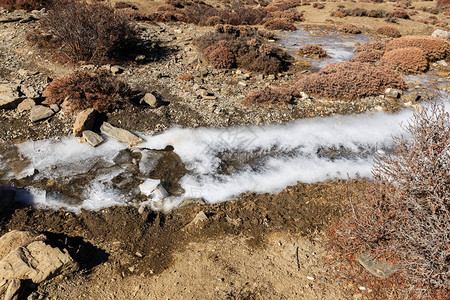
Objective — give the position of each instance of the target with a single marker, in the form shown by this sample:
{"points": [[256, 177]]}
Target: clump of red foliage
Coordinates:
{"points": [[409, 60], [368, 56], [349, 29], [350, 81], [435, 48], [389, 31], [222, 58], [23, 4], [87, 89], [248, 47], [312, 51], [269, 96], [279, 24], [403, 217], [378, 45], [87, 32], [401, 14]]}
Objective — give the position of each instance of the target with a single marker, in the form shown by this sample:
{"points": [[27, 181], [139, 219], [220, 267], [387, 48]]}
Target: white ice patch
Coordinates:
{"points": [[224, 162]]}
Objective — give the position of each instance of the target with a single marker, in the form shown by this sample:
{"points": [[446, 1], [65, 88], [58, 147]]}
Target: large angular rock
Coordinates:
{"points": [[441, 33], [10, 96], [14, 239], [393, 93], [150, 100], [40, 112], [119, 134], [84, 121], [37, 261], [26, 104]]}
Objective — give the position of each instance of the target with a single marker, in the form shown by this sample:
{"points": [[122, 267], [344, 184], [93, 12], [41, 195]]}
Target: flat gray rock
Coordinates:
{"points": [[119, 134], [381, 269], [92, 138], [40, 112], [9, 96]]}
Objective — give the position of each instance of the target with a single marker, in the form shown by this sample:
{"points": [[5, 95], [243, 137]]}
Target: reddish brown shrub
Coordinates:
{"points": [[122, 5], [166, 7], [313, 51], [291, 14], [369, 56], [279, 24], [389, 31], [379, 45], [214, 20], [349, 29], [338, 14], [435, 48], [443, 3], [186, 77], [89, 32], [85, 89], [401, 14], [406, 60], [269, 96], [319, 5], [280, 5], [406, 215], [222, 58], [350, 81], [23, 4], [248, 47]]}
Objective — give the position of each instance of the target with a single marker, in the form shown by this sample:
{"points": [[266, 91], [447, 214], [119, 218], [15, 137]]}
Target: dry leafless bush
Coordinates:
{"points": [[361, 12], [23, 4], [269, 96], [435, 48], [409, 60], [312, 51], [89, 32], [349, 29], [87, 89], [389, 31], [279, 24], [291, 14], [405, 216], [369, 56], [350, 81], [248, 48]]}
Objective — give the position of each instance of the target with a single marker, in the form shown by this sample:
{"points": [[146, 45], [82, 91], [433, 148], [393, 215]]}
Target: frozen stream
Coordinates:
{"points": [[205, 163]]}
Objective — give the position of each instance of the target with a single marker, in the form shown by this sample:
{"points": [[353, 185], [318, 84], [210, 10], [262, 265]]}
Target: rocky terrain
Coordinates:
{"points": [[257, 246]]}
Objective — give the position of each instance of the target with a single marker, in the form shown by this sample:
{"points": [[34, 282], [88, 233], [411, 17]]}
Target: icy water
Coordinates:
{"points": [[207, 163], [338, 46]]}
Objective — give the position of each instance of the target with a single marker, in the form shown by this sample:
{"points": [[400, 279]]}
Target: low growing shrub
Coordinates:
{"points": [[435, 48], [269, 96], [350, 81], [349, 29], [221, 58], [89, 32], [312, 51], [389, 31], [369, 56], [27, 5], [87, 89], [378, 45], [401, 14], [409, 60], [279, 24]]}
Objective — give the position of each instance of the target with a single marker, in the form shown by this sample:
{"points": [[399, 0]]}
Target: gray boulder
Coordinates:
{"points": [[40, 112], [119, 134]]}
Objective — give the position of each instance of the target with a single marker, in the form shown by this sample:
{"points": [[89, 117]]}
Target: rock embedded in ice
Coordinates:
{"points": [[92, 138], [119, 134]]}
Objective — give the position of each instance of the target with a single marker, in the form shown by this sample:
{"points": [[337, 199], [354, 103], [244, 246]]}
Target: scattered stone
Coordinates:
{"points": [[141, 209], [412, 97], [55, 108], [198, 220], [119, 134], [271, 77], [6, 198], [40, 112], [310, 278], [10, 96], [150, 100], [30, 92], [84, 121], [160, 192], [381, 269], [442, 63], [26, 104], [209, 97], [393, 93], [92, 138], [441, 33], [12, 293], [116, 70]]}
